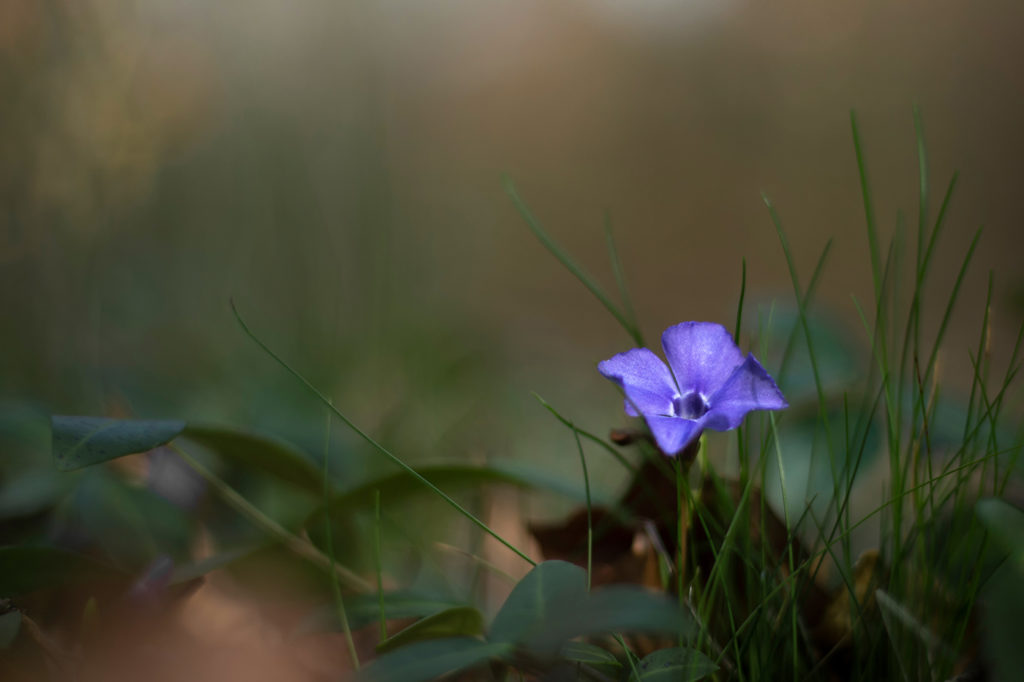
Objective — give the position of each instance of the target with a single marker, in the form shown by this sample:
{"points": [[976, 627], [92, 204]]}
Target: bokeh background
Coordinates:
{"points": [[335, 168]]}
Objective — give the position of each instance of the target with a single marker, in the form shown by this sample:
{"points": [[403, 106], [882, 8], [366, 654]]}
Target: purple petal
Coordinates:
{"points": [[702, 355], [645, 379], [749, 388], [672, 434]]}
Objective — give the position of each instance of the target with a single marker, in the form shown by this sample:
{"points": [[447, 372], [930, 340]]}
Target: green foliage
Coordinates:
{"points": [[673, 665], [26, 569], [132, 525], [10, 625], [84, 441], [536, 626], [754, 600], [548, 590], [267, 454], [423, 661], [459, 621]]}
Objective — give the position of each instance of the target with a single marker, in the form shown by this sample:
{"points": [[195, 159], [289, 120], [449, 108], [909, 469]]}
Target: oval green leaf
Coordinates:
{"points": [[268, 454], [10, 624], [1006, 525], [461, 621], [674, 665], [424, 661], [549, 591], [83, 441], [619, 608], [588, 654]]}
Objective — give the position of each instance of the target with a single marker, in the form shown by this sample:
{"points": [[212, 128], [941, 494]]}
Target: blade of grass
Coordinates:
{"points": [[339, 601], [586, 434], [590, 514], [954, 295], [296, 544], [739, 306], [620, 280], [869, 211], [566, 260], [378, 566], [801, 303], [377, 446]]}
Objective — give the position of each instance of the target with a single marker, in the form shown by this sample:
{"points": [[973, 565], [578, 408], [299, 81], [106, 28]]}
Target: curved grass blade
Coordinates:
{"points": [[566, 260], [377, 446]]}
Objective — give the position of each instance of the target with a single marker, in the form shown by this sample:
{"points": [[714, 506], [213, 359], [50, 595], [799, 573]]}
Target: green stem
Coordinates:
{"points": [[380, 448], [590, 518], [379, 565], [339, 601], [299, 546]]}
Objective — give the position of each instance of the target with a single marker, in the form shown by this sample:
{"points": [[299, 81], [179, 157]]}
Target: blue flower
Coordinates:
{"points": [[710, 384]]}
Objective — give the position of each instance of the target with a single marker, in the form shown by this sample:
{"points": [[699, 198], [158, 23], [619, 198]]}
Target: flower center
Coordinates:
{"points": [[690, 406]]}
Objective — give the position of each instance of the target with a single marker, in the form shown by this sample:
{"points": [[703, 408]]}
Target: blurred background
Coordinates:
{"points": [[335, 168]]}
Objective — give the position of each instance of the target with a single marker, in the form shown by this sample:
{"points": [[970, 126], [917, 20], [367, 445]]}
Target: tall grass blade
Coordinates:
{"points": [[377, 446], [620, 280], [566, 260]]}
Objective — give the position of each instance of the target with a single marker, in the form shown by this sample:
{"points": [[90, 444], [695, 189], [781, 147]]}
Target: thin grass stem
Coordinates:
{"points": [[380, 448]]}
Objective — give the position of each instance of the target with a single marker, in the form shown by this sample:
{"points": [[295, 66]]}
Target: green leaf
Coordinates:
{"points": [[364, 609], [83, 441], [452, 474], [588, 654], [550, 589], [133, 525], [26, 569], [1003, 600], [550, 606], [674, 665], [619, 608], [1006, 524], [424, 661], [448, 476], [270, 455], [10, 624], [32, 492], [460, 621]]}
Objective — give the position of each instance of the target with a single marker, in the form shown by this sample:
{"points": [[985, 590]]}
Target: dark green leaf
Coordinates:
{"points": [[132, 525], [32, 492], [364, 609], [400, 485], [83, 441], [674, 665], [619, 608], [424, 661], [264, 453], [27, 569], [10, 624], [589, 654], [460, 621], [1003, 601], [1006, 524], [550, 590]]}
